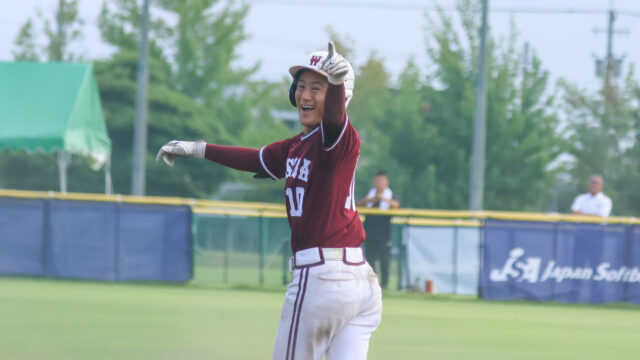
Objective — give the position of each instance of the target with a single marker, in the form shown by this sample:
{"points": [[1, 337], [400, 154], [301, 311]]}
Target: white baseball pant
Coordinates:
{"points": [[331, 307]]}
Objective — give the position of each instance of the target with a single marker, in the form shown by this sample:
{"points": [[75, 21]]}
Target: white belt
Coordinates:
{"points": [[317, 256]]}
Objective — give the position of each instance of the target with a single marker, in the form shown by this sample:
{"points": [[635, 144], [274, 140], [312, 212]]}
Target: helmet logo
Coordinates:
{"points": [[315, 59]]}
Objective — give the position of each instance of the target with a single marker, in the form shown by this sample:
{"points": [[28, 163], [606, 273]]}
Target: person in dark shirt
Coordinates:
{"points": [[378, 227]]}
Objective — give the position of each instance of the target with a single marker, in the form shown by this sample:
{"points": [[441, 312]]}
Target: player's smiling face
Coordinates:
{"points": [[310, 93]]}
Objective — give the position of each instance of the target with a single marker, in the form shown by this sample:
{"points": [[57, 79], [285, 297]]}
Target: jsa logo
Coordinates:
{"points": [[529, 269]]}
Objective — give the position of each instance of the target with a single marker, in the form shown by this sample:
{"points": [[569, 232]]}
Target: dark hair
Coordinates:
{"points": [[381, 173], [294, 85]]}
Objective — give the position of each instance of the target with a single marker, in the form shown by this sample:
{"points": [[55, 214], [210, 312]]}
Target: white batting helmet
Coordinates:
{"points": [[312, 62]]}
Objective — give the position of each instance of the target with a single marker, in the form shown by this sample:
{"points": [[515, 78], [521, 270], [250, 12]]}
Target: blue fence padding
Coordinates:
{"points": [[95, 240], [565, 262], [155, 243], [22, 229], [82, 240]]}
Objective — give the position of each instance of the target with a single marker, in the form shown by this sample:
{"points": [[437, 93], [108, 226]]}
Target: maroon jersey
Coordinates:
{"points": [[319, 187]]}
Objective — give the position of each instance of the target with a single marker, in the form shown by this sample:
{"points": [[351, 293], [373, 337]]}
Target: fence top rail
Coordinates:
{"points": [[201, 206], [161, 200], [435, 222]]}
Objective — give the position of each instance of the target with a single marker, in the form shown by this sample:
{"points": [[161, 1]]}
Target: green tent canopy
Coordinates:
{"points": [[53, 107]]}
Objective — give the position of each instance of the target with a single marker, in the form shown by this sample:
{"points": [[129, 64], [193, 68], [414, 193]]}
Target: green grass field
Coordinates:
{"points": [[54, 319]]}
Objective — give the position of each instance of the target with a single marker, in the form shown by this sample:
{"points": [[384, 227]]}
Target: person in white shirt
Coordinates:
{"points": [[378, 227], [594, 202]]}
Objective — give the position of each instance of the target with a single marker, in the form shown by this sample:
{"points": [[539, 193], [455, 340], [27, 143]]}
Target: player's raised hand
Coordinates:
{"points": [[335, 66], [177, 148]]}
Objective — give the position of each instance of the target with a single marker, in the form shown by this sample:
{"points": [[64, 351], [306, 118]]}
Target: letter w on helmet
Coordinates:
{"points": [[313, 60]]}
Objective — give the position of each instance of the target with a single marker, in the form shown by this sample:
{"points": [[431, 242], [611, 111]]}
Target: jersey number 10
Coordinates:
{"points": [[295, 205]]}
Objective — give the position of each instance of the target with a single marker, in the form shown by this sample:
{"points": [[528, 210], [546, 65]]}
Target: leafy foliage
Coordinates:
{"points": [[604, 140], [417, 127], [195, 92], [422, 129], [27, 49], [62, 32]]}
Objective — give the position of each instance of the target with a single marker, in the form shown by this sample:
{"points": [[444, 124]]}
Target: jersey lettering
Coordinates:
{"points": [[304, 170], [293, 165], [295, 206]]}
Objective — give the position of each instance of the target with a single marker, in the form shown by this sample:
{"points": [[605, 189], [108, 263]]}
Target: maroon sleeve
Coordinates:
{"points": [[334, 114], [235, 157], [273, 157]]}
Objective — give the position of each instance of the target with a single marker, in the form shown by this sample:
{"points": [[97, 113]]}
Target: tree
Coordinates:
{"points": [[428, 123], [367, 111], [26, 47], [171, 115], [603, 130], [68, 28], [60, 34], [195, 91]]}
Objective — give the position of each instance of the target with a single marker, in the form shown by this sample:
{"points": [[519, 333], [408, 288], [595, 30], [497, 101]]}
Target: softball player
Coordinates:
{"points": [[333, 304]]}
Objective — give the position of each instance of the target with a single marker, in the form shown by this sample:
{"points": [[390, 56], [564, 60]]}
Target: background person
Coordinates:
{"points": [[595, 202], [334, 302], [378, 227]]}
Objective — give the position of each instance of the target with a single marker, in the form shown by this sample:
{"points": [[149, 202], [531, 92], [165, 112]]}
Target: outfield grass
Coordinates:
{"points": [[53, 319]]}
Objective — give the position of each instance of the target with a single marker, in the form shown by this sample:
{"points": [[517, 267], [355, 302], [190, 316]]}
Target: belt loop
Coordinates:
{"points": [[308, 264], [360, 255]]}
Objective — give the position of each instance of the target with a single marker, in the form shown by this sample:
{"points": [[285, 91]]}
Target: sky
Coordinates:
{"points": [[282, 31]]}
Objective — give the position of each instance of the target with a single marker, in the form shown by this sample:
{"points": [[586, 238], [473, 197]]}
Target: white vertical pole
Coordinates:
{"points": [[63, 162], [479, 126], [108, 185], [140, 129]]}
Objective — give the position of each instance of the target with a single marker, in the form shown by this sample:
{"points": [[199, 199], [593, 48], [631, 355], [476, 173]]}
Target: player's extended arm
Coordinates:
{"points": [[235, 157], [393, 203], [337, 69], [364, 201]]}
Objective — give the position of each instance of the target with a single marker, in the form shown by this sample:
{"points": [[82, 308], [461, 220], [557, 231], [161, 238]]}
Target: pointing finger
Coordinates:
{"points": [[161, 153], [168, 159]]}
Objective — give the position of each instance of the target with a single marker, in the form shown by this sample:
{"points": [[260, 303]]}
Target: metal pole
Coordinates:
{"points": [[227, 251], [479, 125], [108, 183], [140, 129], [264, 233], [454, 264], [63, 162], [285, 264], [609, 68]]}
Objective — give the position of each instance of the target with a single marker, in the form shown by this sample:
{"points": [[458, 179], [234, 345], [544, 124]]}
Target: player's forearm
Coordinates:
{"points": [[235, 157], [394, 204], [334, 112], [364, 201]]}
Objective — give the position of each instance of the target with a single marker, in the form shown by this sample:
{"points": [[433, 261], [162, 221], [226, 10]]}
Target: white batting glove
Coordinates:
{"points": [[177, 148], [335, 66]]}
